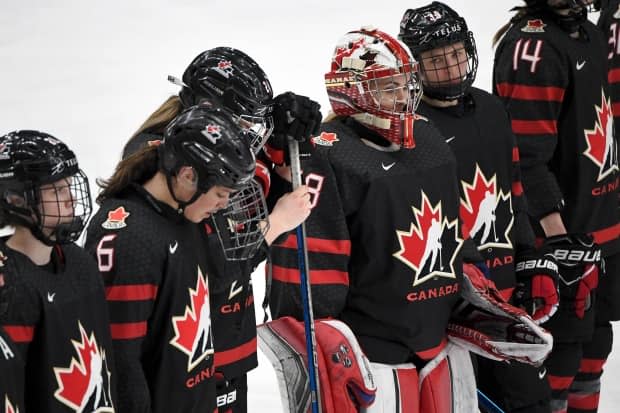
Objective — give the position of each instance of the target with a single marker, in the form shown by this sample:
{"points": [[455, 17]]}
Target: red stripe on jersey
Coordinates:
{"points": [[126, 331], [613, 76], [408, 380], [20, 334], [330, 246], [534, 127], [559, 382], [515, 154], [292, 276], [517, 188], [431, 353], [607, 234], [615, 108], [523, 92], [133, 292], [585, 402], [233, 355], [591, 365]]}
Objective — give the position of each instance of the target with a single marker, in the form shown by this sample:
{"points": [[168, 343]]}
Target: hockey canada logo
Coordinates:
{"points": [[534, 26], [325, 139], [225, 68], [84, 386], [212, 133], [116, 219], [193, 334], [431, 244], [486, 212], [602, 149], [8, 406]]}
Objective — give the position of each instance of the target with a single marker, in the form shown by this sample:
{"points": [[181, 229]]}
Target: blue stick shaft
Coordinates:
{"points": [[487, 404]]}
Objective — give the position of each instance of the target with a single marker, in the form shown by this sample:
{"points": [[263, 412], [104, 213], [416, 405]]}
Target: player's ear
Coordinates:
{"points": [[187, 177]]}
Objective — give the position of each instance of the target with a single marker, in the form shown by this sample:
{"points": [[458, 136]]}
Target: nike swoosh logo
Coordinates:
{"points": [[387, 167], [541, 374], [50, 297], [173, 248], [450, 139], [233, 291], [580, 65]]}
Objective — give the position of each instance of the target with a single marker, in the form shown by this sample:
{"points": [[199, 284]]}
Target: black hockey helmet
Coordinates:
{"points": [[435, 26], [208, 139], [32, 162], [232, 79]]}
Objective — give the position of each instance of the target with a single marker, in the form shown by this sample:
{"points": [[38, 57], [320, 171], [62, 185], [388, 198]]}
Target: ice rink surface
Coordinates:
{"points": [[91, 72]]}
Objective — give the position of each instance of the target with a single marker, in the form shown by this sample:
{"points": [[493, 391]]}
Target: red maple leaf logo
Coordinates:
{"points": [[193, 329], [601, 143], [325, 139], [213, 128], [420, 247], [224, 64], [83, 379], [116, 218], [478, 212]]}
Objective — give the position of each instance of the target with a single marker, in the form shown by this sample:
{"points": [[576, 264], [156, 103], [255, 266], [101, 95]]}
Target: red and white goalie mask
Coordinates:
{"points": [[374, 79]]}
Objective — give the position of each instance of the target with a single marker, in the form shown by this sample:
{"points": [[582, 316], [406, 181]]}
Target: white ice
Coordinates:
{"points": [[90, 72]]}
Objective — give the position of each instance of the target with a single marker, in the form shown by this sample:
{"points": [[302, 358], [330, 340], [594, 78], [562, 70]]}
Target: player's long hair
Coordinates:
{"points": [[158, 120], [135, 169], [521, 11]]}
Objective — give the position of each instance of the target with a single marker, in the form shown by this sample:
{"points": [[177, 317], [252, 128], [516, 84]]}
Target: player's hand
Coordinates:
{"points": [[537, 284]]}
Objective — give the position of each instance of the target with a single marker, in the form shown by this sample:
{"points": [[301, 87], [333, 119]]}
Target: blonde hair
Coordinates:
{"points": [[163, 115], [520, 13]]}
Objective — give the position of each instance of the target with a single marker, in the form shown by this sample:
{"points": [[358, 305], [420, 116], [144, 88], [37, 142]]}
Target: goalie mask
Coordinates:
{"points": [[445, 48], [230, 78], [374, 80], [42, 187]]}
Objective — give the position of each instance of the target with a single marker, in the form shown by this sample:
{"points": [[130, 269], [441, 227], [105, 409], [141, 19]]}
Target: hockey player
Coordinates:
{"points": [[244, 89], [548, 71], [56, 313], [385, 184], [492, 207]]}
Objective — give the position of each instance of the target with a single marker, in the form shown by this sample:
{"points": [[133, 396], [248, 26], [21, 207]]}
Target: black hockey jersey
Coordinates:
{"points": [[384, 240], [492, 210], [58, 320], [11, 376], [154, 266], [609, 23], [555, 89]]}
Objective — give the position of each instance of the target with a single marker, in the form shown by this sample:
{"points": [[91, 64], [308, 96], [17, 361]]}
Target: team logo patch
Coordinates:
{"points": [[192, 330], [116, 219], [486, 212], [8, 406], [212, 132], [602, 148], [325, 139], [431, 244], [84, 386], [534, 26], [225, 68]]}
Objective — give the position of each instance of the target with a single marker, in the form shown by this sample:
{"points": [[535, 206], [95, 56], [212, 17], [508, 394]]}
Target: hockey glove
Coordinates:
{"points": [[579, 260], [298, 117], [537, 284]]}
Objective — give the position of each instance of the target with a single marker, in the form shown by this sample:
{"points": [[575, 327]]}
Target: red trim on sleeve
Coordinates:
{"points": [[591, 365], [523, 92], [133, 292], [515, 154], [245, 350], [20, 334], [330, 246], [292, 276], [517, 188], [559, 382], [606, 234], [126, 331], [535, 127], [613, 76]]}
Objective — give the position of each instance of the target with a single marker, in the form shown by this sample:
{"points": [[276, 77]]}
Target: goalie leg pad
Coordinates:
{"points": [[345, 378], [397, 389]]}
